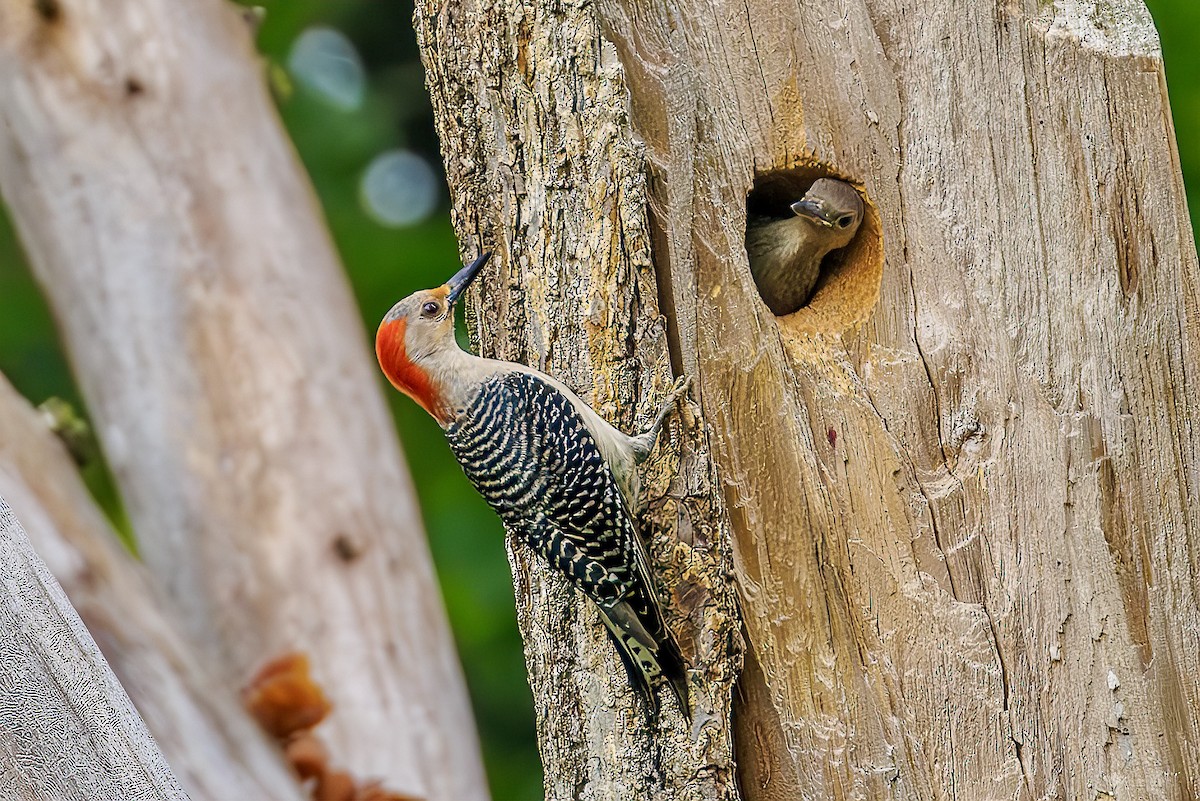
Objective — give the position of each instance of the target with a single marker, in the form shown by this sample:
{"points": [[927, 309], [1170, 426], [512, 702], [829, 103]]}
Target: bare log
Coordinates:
{"points": [[221, 355], [67, 729], [212, 745], [958, 480]]}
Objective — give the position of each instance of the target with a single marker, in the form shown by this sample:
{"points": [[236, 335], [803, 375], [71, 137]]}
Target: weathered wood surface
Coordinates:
{"points": [[959, 480], [67, 729], [217, 752], [214, 336]]}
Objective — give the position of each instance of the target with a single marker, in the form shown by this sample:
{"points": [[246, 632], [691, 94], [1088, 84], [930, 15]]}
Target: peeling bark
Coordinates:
{"points": [[956, 482], [544, 169]]}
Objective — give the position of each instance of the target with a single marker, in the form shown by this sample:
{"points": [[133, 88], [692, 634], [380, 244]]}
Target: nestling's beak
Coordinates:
{"points": [[813, 210], [463, 278]]}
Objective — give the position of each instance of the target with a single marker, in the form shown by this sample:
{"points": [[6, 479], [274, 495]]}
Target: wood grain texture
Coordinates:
{"points": [[960, 577], [959, 480], [67, 728], [215, 749], [531, 108], [214, 336]]}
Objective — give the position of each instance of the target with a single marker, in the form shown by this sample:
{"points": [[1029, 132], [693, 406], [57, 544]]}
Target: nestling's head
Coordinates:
{"points": [[417, 329], [832, 205]]}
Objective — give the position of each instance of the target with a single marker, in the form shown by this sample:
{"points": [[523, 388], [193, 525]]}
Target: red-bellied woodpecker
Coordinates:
{"points": [[561, 478], [785, 254]]}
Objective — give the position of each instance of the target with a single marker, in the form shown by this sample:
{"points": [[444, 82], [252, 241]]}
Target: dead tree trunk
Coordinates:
{"points": [[67, 729], [214, 748], [213, 334], [958, 480]]}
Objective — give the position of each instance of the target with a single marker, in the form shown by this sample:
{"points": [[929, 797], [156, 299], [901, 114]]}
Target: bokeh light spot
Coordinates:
{"points": [[325, 61], [399, 189]]}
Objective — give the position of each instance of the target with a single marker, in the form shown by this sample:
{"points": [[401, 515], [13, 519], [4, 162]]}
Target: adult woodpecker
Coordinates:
{"points": [[785, 254], [561, 478]]}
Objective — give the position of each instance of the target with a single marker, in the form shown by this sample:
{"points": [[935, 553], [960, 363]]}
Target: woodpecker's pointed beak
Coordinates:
{"points": [[463, 278], [814, 210]]}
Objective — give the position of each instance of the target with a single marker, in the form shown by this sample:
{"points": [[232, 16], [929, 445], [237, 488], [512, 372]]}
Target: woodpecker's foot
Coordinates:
{"points": [[644, 443], [678, 390]]}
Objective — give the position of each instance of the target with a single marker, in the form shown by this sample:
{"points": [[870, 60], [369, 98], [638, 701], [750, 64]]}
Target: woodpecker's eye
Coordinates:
{"points": [[845, 220], [429, 309]]}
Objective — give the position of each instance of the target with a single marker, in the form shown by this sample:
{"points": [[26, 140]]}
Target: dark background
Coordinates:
{"points": [[337, 143]]}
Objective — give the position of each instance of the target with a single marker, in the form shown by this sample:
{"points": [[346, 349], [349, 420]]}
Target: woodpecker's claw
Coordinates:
{"points": [[644, 443], [680, 388]]}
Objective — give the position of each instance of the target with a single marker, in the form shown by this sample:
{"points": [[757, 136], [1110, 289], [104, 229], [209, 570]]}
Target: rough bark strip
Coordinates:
{"points": [[531, 107], [67, 728], [216, 341], [213, 747], [967, 558]]}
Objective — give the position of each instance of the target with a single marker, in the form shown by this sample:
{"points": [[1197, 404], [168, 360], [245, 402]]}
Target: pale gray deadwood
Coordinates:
{"points": [[959, 480], [208, 320], [67, 729], [214, 748]]}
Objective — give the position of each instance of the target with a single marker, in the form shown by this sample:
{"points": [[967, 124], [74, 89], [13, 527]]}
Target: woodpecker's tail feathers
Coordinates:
{"points": [[647, 658], [675, 671]]}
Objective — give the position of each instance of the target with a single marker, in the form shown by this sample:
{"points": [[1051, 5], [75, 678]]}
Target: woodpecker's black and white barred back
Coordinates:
{"points": [[527, 449]]}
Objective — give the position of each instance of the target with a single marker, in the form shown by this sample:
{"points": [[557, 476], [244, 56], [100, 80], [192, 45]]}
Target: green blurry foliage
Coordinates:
{"points": [[1178, 23], [386, 264]]}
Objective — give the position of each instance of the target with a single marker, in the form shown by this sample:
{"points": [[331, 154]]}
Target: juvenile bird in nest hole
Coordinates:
{"points": [[785, 254]]}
